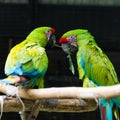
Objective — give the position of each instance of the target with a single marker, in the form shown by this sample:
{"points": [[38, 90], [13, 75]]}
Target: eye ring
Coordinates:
{"points": [[72, 37], [48, 31]]}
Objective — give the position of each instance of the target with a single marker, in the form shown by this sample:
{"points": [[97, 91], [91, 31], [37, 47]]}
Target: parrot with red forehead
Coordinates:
{"points": [[94, 67], [27, 61]]}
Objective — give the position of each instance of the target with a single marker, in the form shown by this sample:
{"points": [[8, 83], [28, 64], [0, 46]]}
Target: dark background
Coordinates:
{"points": [[17, 20]]}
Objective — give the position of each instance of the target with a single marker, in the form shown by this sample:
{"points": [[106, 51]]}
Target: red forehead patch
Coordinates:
{"points": [[53, 30], [63, 40]]}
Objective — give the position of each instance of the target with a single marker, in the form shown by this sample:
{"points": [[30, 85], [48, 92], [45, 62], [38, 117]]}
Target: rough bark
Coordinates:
{"points": [[51, 105]]}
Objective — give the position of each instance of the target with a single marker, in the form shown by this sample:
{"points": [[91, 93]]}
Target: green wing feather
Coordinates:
{"points": [[97, 66], [32, 59]]}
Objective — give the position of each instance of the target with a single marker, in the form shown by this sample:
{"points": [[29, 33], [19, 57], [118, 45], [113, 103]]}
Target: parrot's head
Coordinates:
{"points": [[71, 40], [45, 36]]}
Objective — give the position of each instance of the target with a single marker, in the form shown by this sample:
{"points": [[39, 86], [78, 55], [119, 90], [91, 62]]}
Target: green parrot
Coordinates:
{"points": [[94, 67], [27, 61]]}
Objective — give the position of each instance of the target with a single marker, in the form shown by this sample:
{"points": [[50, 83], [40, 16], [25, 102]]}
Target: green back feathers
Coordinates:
{"points": [[38, 36]]}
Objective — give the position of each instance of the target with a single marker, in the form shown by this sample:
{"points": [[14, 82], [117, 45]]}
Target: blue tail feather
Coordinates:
{"points": [[107, 112]]}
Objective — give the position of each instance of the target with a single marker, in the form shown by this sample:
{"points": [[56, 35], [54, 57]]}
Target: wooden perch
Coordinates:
{"points": [[63, 99], [51, 105], [66, 92]]}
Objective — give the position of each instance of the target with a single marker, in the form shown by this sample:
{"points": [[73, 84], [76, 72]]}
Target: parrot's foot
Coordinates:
{"points": [[19, 79], [16, 79]]}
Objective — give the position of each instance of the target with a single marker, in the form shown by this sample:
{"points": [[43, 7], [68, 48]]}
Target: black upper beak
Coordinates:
{"points": [[69, 49], [51, 41]]}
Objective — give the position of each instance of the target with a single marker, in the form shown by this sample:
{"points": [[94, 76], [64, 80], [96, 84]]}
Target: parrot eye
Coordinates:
{"points": [[72, 40], [48, 32], [51, 39], [72, 37]]}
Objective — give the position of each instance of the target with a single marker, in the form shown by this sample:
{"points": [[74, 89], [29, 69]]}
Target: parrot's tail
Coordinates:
{"points": [[106, 109]]}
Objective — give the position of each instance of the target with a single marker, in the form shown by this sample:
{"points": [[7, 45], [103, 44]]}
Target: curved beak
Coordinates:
{"points": [[52, 41], [65, 48], [69, 49]]}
